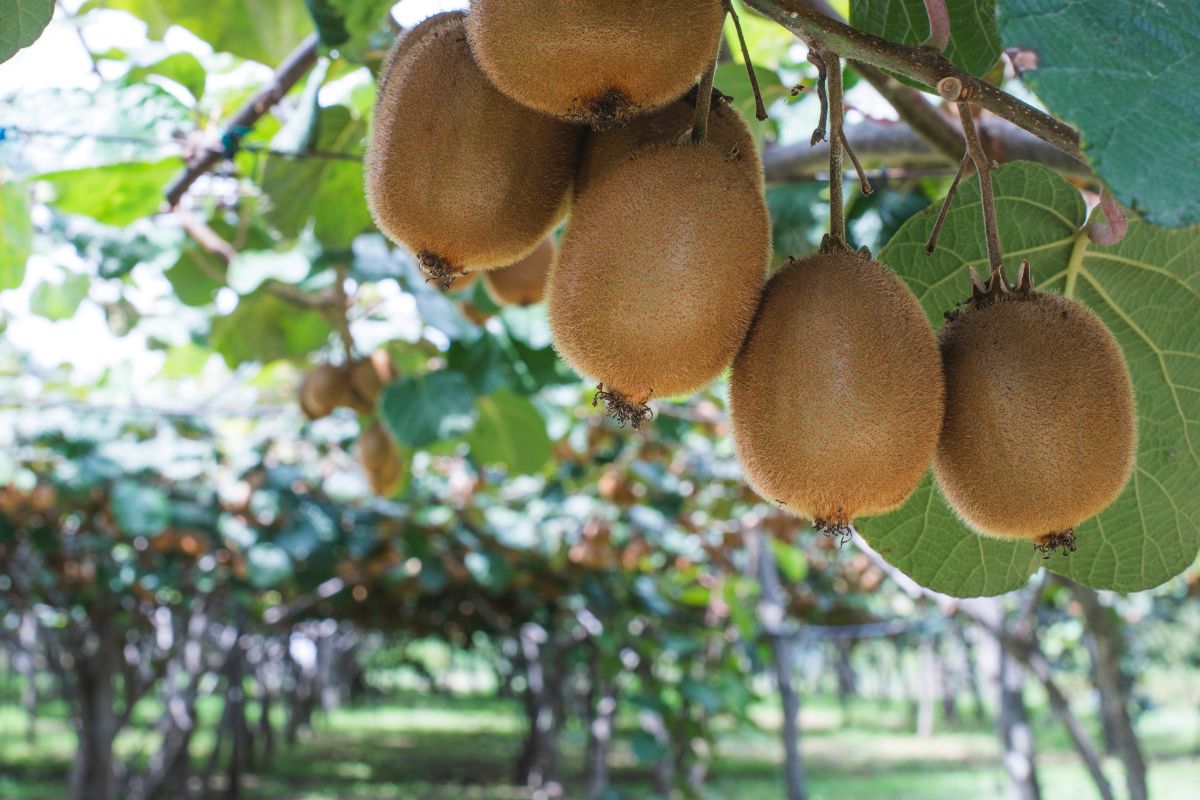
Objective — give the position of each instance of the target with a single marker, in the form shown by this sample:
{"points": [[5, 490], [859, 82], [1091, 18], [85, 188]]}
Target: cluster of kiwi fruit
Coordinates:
{"points": [[495, 127], [356, 384]]}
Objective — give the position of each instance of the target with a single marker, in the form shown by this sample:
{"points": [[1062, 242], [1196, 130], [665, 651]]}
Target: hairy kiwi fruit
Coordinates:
{"points": [[379, 459], [1040, 429], [407, 39], [522, 283], [368, 376], [836, 398], [457, 172], [727, 131], [658, 274], [598, 62], [323, 389]]}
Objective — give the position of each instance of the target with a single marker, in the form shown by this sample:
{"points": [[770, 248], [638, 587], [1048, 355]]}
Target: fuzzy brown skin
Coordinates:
{"points": [[598, 62], [323, 389], [836, 398], [407, 39], [727, 131], [368, 376], [379, 459], [455, 171], [522, 283], [1040, 429], [659, 272]]}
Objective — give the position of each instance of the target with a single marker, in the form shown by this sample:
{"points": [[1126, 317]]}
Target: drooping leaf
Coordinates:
{"points": [[1145, 289], [510, 432], [424, 409], [116, 194], [59, 300], [24, 21], [16, 234], [348, 25], [260, 30], [264, 327], [1126, 74], [974, 39], [183, 68], [195, 277]]}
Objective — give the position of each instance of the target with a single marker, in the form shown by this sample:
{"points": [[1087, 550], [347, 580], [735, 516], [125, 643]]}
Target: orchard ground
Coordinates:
{"points": [[410, 745]]}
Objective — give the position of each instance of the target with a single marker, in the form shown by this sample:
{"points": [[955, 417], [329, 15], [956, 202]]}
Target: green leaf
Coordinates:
{"points": [[1127, 75], [260, 30], [510, 432], [140, 510], [194, 277], [1145, 289], [264, 328], [348, 25], [24, 21], [327, 187], [790, 560], [59, 300], [116, 194], [183, 68], [16, 234], [974, 40], [797, 218], [424, 409]]}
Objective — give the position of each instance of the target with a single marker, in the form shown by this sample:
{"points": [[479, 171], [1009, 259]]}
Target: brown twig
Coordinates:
{"points": [[337, 313], [293, 68], [956, 91], [760, 109], [863, 182], [837, 215], [912, 108], [931, 245], [924, 66], [815, 58]]}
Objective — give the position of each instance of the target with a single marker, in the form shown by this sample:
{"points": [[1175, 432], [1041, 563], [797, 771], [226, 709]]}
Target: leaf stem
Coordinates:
{"points": [[863, 181], [1112, 229], [931, 245], [939, 25]]}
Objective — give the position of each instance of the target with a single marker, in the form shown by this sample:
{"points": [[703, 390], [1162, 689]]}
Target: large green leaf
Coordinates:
{"points": [[59, 300], [16, 234], [425, 409], [974, 41], [24, 21], [183, 68], [116, 194], [1146, 290], [261, 30], [349, 25], [264, 327], [510, 432], [1127, 74]]}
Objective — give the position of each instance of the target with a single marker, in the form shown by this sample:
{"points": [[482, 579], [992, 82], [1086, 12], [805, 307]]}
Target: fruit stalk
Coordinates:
{"points": [[760, 110], [837, 216], [704, 99], [983, 165]]}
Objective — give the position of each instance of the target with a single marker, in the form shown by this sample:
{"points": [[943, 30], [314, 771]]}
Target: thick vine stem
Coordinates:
{"points": [[837, 216], [923, 65], [704, 99]]}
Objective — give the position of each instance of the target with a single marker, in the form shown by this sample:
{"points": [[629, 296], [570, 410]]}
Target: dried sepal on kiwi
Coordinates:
{"points": [[625, 411]]}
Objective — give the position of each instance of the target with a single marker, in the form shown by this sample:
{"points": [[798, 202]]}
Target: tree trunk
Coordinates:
{"points": [[1107, 645], [847, 681], [771, 613], [601, 723], [538, 761], [926, 687], [93, 772], [971, 671]]}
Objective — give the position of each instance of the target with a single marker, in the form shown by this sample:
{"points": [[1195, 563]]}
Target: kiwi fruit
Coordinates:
{"points": [[727, 131], [1040, 431], [379, 459], [323, 389], [522, 283], [408, 38], [455, 171], [368, 376], [836, 398], [596, 62], [658, 274]]}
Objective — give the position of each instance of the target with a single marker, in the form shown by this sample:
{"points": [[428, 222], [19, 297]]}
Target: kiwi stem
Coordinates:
{"points": [[760, 108], [814, 57], [337, 313], [983, 165], [931, 245], [939, 25], [863, 181], [837, 216], [704, 99]]}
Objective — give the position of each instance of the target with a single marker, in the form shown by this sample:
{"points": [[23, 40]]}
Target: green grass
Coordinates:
{"points": [[418, 747]]}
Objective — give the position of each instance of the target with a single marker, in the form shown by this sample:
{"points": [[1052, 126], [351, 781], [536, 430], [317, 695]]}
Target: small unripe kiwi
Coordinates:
{"points": [[1040, 429], [836, 397], [522, 283], [323, 389], [457, 172], [598, 62], [368, 376], [659, 273], [727, 131]]}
